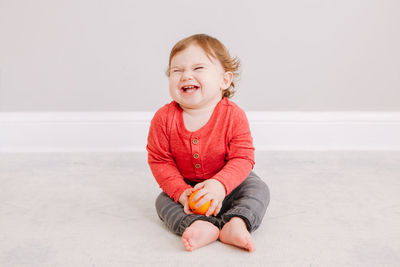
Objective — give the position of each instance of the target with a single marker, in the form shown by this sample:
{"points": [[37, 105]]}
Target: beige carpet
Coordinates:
{"points": [[97, 209]]}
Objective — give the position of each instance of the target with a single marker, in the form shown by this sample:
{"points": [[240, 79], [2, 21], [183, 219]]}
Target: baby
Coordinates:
{"points": [[202, 141]]}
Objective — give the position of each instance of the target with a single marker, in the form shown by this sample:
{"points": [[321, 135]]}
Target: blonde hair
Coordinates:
{"points": [[214, 48]]}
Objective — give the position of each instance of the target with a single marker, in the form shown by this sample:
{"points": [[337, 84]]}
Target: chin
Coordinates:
{"points": [[187, 105]]}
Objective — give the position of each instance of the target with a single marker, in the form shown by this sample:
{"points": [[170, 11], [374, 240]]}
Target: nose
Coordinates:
{"points": [[186, 75]]}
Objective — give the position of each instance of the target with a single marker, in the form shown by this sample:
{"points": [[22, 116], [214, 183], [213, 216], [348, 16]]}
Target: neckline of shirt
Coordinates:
{"points": [[198, 132]]}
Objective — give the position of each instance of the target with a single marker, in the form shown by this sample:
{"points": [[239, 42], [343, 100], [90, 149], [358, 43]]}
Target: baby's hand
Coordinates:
{"points": [[213, 190], [184, 200]]}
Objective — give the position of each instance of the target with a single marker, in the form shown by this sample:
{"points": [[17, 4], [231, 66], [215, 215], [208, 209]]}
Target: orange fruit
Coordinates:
{"points": [[201, 210]]}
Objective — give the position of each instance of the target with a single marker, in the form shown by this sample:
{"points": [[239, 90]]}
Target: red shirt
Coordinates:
{"points": [[222, 149]]}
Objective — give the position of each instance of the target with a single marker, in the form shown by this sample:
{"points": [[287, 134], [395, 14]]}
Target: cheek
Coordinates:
{"points": [[173, 86], [213, 80], [173, 81]]}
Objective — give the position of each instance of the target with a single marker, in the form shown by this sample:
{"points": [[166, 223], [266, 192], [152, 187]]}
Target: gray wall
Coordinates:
{"points": [[81, 55]]}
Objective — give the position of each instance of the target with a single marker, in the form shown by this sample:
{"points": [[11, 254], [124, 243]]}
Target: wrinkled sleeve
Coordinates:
{"points": [[240, 156], [160, 159]]}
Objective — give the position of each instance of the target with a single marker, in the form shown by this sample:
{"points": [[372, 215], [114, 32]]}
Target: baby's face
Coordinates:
{"points": [[196, 81]]}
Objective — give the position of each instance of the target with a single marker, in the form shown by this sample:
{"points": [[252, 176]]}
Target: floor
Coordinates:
{"points": [[97, 209]]}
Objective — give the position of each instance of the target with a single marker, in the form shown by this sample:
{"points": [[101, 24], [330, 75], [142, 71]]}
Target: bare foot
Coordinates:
{"points": [[199, 234], [235, 233]]}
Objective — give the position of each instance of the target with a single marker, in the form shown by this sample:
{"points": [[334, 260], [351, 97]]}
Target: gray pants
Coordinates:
{"points": [[248, 201]]}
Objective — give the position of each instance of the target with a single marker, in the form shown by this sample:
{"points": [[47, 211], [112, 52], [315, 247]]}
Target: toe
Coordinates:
{"points": [[187, 235], [250, 245], [186, 244]]}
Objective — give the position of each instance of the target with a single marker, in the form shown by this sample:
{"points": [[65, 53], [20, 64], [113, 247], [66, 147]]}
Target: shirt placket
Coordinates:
{"points": [[196, 157]]}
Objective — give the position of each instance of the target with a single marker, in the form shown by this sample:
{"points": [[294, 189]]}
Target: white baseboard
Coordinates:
{"points": [[127, 131]]}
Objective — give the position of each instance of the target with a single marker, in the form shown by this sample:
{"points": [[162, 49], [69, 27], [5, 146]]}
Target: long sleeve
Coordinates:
{"points": [[240, 156], [160, 159]]}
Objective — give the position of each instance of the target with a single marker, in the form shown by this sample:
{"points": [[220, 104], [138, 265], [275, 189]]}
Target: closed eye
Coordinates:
{"points": [[198, 68]]}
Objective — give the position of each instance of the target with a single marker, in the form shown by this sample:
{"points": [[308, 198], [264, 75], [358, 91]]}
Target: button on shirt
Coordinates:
{"points": [[222, 149]]}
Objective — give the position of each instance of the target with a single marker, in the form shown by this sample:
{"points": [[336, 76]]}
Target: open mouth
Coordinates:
{"points": [[189, 88]]}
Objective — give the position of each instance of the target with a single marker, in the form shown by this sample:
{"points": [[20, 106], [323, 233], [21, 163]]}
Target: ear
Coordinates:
{"points": [[227, 80]]}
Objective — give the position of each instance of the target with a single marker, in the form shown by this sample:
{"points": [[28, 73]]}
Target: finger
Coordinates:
{"points": [[213, 206], [189, 191], [201, 193], [203, 201], [186, 208], [218, 209], [198, 186]]}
